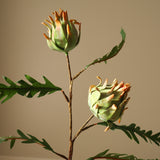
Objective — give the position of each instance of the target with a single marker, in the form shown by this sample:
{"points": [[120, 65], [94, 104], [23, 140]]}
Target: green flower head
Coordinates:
{"points": [[62, 33], [107, 102]]}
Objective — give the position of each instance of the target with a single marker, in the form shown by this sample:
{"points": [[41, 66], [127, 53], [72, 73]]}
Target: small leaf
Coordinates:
{"points": [[34, 138], [123, 34], [12, 143], [10, 95], [42, 93], [102, 153], [22, 134], [149, 133], [127, 133], [30, 79], [9, 81], [156, 135], [46, 145], [32, 93], [134, 137]]}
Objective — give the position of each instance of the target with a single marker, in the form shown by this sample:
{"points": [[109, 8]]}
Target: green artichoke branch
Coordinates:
{"points": [[29, 139], [115, 50], [131, 131]]}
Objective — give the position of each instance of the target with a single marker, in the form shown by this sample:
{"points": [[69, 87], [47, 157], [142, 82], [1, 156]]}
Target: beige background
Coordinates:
{"points": [[23, 50]]}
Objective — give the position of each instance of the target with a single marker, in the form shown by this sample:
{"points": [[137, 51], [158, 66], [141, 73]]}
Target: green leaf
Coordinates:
{"points": [[132, 131], [127, 133], [123, 34], [118, 156], [24, 88], [112, 53], [33, 139], [46, 145], [27, 139], [9, 81], [106, 155], [23, 136], [12, 143], [102, 153]]}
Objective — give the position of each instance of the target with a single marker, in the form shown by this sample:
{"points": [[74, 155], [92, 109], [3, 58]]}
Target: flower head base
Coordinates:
{"points": [[62, 33], [107, 102]]}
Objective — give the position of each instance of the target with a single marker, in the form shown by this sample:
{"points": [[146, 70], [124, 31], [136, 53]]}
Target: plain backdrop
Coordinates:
{"points": [[23, 50]]}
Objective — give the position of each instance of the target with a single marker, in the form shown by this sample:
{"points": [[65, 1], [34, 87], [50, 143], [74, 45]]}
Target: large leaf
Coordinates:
{"points": [[132, 131], [112, 53], [26, 89]]}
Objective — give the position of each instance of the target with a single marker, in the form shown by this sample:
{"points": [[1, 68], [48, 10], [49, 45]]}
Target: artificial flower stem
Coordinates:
{"points": [[81, 129], [65, 96], [77, 75], [70, 109]]}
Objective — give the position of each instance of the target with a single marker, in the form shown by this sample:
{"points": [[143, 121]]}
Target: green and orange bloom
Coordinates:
{"points": [[107, 102], [62, 33]]}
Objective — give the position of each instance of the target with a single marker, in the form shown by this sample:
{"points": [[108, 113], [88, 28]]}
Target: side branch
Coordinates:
{"points": [[81, 129], [69, 68], [115, 50], [77, 75], [65, 96], [89, 126], [37, 142]]}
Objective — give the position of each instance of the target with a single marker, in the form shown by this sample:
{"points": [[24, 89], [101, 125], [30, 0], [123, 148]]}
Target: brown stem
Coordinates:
{"points": [[77, 75], [70, 122], [58, 154], [69, 68], [65, 96], [70, 109], [81, 129], [89, 126]]}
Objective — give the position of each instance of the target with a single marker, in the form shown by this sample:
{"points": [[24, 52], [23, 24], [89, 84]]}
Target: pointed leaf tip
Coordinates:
{"points": [[115, 50], [12, 143], [21, 134], [123, 34]]}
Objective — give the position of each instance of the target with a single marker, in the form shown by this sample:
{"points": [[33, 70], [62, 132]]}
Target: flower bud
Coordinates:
{"points": [[62, 32], [107, 102]]}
